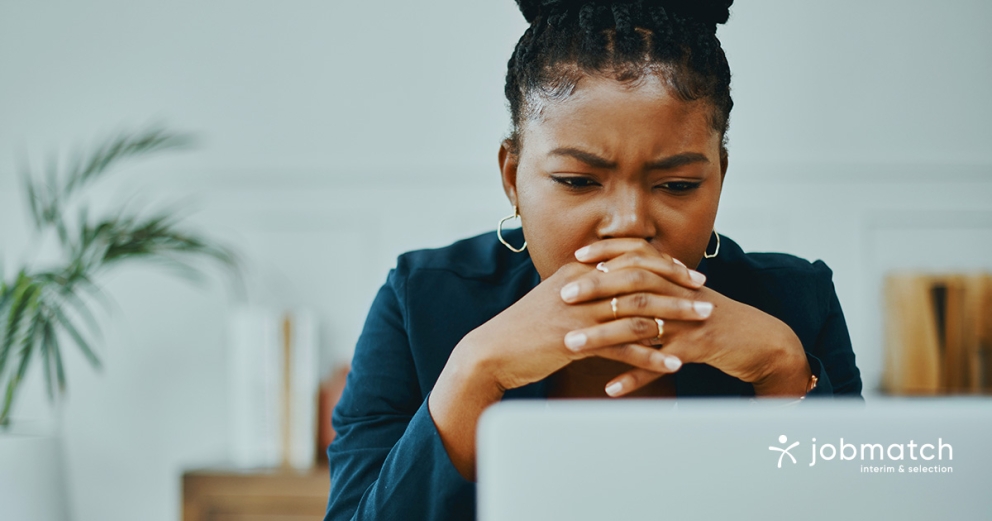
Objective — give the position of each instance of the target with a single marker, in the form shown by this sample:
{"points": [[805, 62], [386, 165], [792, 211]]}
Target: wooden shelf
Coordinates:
{"points": [[255, 495]]}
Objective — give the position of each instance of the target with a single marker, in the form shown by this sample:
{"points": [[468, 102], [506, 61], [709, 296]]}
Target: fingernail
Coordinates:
{"points": [[676, 261], [703, 309], [582, 253], [575, 340], [673, 363], [570, 292], [614, 388], [697, 277]]}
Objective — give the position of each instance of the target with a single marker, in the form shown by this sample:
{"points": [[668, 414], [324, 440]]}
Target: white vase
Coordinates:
{"points": [[32, 476]]}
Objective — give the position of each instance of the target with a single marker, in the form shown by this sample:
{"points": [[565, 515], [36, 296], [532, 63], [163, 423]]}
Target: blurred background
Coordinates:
{"points": [[333, 136]]}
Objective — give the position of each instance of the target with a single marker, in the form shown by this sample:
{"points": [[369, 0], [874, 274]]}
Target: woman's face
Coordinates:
{"points": [[616, 160]]}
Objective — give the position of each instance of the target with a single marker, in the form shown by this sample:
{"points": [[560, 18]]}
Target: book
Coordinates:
{"points": [[272, 387], [938, 333]]}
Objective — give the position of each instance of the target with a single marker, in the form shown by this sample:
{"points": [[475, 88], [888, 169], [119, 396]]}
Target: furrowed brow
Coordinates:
{"points": [[586, 157], [676, 161]]}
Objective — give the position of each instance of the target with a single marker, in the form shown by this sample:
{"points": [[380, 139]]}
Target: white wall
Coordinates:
{"points": [[336, 135]]}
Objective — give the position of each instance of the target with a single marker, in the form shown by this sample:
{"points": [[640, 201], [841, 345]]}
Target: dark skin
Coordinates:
{"points": [[626, 177]]}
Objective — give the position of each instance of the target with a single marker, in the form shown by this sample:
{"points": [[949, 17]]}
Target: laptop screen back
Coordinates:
{"points": [[716, 459]]}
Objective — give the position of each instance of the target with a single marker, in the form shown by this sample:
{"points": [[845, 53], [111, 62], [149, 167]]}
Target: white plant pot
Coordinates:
{"points": [[32, 477]]}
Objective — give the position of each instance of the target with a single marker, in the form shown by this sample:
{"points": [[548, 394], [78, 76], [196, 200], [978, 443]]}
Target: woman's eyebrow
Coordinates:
{"points": [[666, 163], [676, 161], [586, 157]]}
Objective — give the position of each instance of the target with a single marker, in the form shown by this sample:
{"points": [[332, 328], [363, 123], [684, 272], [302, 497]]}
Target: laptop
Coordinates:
{"points": [[730, 459]]}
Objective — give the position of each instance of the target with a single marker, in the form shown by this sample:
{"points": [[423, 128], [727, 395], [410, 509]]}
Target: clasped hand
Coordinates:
{"points": [[613, 302]]}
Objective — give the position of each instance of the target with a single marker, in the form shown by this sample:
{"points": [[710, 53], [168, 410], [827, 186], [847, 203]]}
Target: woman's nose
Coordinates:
{"points": [[626, 213]]}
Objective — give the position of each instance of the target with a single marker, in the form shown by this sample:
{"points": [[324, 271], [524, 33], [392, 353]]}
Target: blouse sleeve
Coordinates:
{"points": [[387, 460], [831, 358]]}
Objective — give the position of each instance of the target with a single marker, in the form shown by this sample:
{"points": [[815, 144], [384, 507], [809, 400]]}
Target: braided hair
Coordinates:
{"points": [[673, 39]]}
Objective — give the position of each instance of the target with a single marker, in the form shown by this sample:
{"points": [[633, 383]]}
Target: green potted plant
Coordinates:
{"points": [[46, 306], [40, 308]]}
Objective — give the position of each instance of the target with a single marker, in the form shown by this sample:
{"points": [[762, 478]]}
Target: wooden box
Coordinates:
{"points": [[256, 495]]}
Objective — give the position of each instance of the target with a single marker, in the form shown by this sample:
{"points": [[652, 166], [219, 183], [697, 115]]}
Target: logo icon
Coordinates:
{"points": [[784, 451]]}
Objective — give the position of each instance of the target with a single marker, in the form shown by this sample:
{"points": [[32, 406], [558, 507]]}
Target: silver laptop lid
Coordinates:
{"points": [[714, 459]]}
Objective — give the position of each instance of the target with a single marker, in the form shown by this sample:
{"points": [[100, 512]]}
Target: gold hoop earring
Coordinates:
{"points": [[715, 251], [499, 232]]}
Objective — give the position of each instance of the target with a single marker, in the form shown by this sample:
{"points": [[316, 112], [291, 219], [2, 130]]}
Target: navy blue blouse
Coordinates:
{"points": [[388, 462]]}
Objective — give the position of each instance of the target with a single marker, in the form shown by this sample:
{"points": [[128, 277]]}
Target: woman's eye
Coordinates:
{"points": [[575, 182], [679, 186]]}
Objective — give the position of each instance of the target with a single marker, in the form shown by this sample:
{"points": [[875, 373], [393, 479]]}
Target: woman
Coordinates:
{"points": [[615, 286]]}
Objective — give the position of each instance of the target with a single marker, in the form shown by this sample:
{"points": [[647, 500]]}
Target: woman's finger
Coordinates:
{"points": [[627, 330], [611, 248], [650, 306], [598, 285], [669, 268], [631, 381], [641, 356], [641, 375], [654, 306]]}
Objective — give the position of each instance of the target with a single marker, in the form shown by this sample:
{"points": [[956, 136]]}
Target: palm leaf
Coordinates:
{"points": [[24, 293], [123, 146], [8, 401], [46, 357], [27, 350], [5, 296], [32, 196], [81, 342], [78, 305], [53, 210], [65, 285], [56, 353], [85, 282], [48, 202], [36, 308]]}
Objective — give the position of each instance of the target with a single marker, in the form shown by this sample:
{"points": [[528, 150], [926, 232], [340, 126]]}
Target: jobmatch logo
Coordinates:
{"points": [[882, 458]]}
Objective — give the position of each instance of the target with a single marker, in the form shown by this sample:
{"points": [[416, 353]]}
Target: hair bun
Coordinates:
{"points": [[706, 11]]}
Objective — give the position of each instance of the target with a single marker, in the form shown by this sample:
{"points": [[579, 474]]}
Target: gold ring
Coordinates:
{"points": [[602, 267], [613, 304], [661, 327]]}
